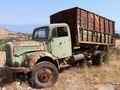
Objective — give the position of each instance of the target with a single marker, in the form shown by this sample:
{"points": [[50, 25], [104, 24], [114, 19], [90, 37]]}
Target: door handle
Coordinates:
{"points": [[52, 40], [60, 43]]}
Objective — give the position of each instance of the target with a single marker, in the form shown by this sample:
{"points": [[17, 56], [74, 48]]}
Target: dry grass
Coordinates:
{"points": [[92, 78], [105, 77]]}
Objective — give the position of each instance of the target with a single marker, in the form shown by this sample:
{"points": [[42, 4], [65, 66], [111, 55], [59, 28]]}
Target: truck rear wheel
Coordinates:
{"points": [[99, 59], [44, 74]]}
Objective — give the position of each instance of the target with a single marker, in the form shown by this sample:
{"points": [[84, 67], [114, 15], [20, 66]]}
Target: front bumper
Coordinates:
{"points": [[16, 69]]}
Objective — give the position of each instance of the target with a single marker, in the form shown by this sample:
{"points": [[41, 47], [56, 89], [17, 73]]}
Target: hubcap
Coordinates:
{"points": [[45, 75]]}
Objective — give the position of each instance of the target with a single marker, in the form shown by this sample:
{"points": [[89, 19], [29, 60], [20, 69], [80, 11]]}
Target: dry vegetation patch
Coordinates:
{"points": [[105, 77]]}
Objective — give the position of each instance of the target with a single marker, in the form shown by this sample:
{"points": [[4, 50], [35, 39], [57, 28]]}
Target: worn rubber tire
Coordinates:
{"points": [[39, 69], [98, 60]]}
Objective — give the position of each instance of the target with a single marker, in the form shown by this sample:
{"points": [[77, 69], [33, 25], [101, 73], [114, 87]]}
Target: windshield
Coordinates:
{"points": [[41, 33]]}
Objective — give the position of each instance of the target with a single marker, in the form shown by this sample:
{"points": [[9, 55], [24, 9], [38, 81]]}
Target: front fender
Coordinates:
{"points": [[33, 57]]}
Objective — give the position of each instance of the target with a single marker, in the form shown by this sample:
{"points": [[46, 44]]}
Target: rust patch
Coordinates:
{"points": [[32, 58]]}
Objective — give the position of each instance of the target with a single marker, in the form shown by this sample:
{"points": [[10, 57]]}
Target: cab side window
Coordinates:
{"points": [[59, 32], [54, 32]]}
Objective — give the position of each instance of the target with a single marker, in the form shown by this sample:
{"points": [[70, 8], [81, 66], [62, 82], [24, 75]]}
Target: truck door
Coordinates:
{"points": [[61, 42]]}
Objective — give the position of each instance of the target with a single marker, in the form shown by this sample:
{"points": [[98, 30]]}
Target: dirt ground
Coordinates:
{"points": [[105, 77]]}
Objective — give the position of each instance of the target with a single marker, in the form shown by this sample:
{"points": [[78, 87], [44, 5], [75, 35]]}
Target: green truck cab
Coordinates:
{"points": [[52, 41], [48, 45]]}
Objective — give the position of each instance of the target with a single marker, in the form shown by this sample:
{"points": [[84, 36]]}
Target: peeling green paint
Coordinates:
{"points": [[61, 47], [55, 47]]}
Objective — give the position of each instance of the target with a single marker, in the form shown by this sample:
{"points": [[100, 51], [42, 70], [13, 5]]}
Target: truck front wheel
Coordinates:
{"points": [[44, 74]]}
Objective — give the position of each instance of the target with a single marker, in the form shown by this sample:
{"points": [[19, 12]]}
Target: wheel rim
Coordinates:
{"points": [[45, 75]]}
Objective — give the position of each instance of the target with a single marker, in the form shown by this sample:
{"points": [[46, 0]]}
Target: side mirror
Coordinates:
{"points": [[50, 39]]}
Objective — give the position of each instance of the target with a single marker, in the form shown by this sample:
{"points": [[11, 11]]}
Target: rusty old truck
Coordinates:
{"points": [[74, 36]]}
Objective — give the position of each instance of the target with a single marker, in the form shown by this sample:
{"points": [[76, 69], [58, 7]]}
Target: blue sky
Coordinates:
{"points": [[34, 12]]}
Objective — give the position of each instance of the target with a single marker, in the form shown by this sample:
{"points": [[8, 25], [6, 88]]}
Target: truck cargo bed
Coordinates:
{"points": [[86, 27]]}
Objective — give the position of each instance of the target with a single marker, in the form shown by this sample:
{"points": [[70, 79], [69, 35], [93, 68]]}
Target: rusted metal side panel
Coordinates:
{"points": [[86, 26], [107, 26], [102, 25], [97, 28], [111, 27], [90, 21], [83, 19]]}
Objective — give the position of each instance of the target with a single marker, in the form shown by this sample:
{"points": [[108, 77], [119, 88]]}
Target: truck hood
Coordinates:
{"points": [[22, 47]]}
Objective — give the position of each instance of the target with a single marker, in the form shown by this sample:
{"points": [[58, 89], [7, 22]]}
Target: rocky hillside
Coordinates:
{"points": [[6, 34]]}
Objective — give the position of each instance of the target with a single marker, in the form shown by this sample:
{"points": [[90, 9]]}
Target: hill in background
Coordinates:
{"points": [[7, 34]]}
